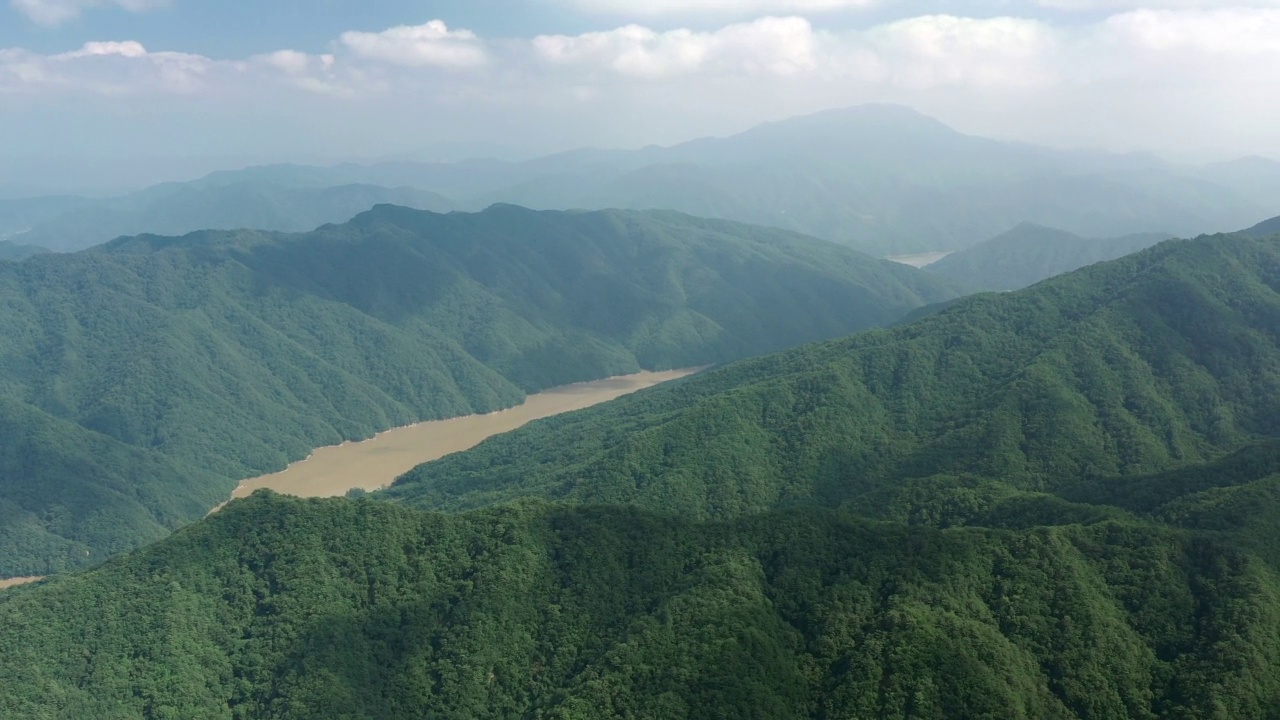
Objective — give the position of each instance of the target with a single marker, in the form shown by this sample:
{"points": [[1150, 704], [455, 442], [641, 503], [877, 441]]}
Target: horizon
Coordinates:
{"points": [[109, 94], [188, 169]]}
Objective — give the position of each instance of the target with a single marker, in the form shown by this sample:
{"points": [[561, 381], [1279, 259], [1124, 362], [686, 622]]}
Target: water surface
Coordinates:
{"points": [[372, 464]]}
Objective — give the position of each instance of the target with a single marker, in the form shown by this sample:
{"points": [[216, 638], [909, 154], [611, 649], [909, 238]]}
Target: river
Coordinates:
{"points": [[372, 464], [14, 582]]}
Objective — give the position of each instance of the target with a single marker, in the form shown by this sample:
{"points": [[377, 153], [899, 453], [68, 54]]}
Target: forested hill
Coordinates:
{"points": [[1042, 607], [14, 251], [1054, 503], [1030, 253], [139, 380], [1157, 360], [1266, 228]]}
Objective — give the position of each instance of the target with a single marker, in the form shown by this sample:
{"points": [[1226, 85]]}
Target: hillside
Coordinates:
{"points": [[193, 362], [1041, 608], [1157, 360], [1030, 253], [1266, 228], [882, 179], [180, 208], [14, 251], [1053, 503]]}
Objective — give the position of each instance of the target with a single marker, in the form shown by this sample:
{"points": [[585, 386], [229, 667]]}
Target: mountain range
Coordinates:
{"points": [[14, 251], [881, 179], [140, 379], [1030, 253], [1057, 502]]}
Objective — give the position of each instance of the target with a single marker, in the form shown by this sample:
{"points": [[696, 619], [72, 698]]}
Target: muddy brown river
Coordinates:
{"points": [[372, 464], [13, 582]]}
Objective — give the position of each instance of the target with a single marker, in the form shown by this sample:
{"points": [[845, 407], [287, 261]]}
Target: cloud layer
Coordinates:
{"points": [[55, 12], [1195, 80]]}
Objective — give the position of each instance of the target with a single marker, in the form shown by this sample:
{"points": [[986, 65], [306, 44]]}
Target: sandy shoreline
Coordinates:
{"points": [[372, 464]]}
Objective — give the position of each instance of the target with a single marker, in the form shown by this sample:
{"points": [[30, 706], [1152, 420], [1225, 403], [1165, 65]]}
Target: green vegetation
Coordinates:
{"points": [[14, 251], [180, 208], [1160, 359], [1055, 503], [1266, 228], [1030, 253], [282, 608], [140, 380]]}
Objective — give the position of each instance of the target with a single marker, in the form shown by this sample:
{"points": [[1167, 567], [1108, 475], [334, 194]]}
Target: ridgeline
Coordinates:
{"points": [[140, 380]]}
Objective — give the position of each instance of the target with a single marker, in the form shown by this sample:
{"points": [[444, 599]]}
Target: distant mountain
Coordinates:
{"points": [[141, 379], [180, 208], [1266, 228], [1054, 503], [18, 216], [14, 251], [882, 179], [1030, 253], [1255, 178]]}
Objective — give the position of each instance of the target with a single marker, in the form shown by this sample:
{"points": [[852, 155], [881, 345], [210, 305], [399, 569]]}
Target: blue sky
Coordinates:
{"points": [[132, 87], [233, 28]]}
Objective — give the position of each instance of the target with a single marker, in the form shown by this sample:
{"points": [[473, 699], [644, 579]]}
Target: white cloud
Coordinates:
{"points": [[432, 44], [1222, 33], [1114, 6], [657, 8], [129, 49], [777, 46], [935, 50], [104, 68], [56, 12], [1143, 78]]}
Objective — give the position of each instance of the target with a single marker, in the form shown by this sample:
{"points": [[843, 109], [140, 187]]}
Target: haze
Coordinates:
{"points": [[107, 95]]}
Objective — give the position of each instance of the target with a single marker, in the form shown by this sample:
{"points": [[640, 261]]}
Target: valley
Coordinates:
{"points": [[602, 361], [374, 463]]}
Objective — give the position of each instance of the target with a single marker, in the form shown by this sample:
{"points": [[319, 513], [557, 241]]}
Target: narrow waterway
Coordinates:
{"points": [[372, 464], [14, 582]]}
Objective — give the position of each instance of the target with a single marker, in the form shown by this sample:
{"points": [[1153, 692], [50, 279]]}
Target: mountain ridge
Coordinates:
{"points": [[883, 179], [222, 355], [1029, 253]]}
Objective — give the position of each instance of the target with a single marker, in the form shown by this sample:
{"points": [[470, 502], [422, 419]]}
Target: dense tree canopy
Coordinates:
{"points": [[1055, 503], [1167, 357], [141, 379]]}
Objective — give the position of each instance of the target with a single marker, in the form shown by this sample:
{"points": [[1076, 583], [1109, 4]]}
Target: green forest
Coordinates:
{"points": [[1054, 503], [140, 380], [1161, 359], [1030, 253], [10, 250]]}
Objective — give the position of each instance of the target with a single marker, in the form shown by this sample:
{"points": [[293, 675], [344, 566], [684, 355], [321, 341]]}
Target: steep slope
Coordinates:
{"points": [[1266, 228], [235, 353], [1030, 253], [1054, 503], [14, 251], [279, 608], [176, 209], [1162, 358]]}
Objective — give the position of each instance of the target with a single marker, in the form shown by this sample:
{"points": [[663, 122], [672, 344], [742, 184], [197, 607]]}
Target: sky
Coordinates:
{"points": [[95, 92]]}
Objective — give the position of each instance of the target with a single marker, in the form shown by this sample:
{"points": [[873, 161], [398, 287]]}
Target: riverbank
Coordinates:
{"points": [[374, 463]]}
